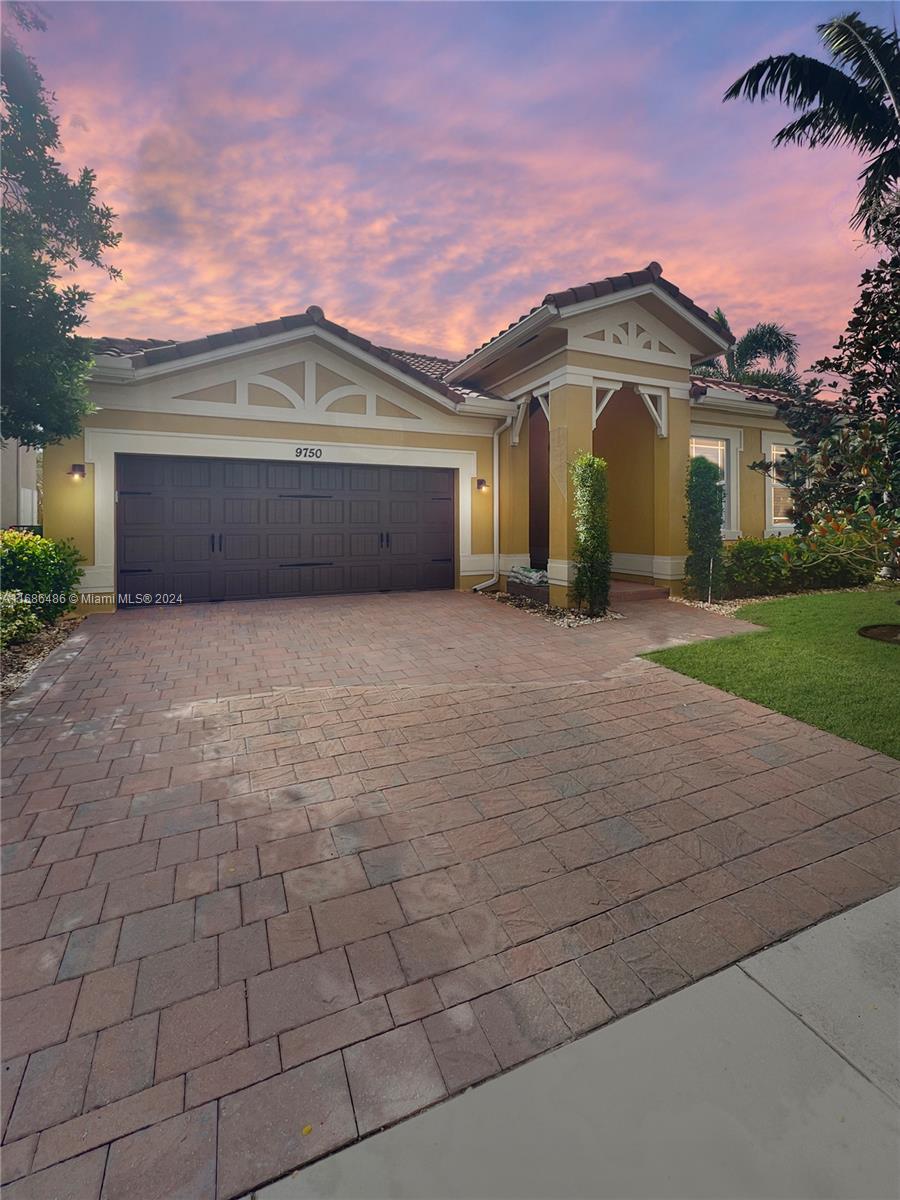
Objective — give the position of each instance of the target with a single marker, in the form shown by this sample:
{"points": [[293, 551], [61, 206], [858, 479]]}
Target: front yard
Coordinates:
{"points": [[811, 663]]}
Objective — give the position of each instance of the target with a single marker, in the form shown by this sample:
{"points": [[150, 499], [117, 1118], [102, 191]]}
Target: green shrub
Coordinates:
{"points": [[593, 560], [705, 500], [17, 622], [46, 573], [771, 566], [756, 567]]}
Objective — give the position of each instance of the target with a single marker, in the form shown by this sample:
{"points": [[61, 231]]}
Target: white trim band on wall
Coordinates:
{"points": [[102, 445], [655, 566]]}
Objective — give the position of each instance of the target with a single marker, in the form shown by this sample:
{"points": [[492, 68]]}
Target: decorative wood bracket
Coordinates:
{"points": [[521, 410], [543, 398], [657, 404], [602, 397]]}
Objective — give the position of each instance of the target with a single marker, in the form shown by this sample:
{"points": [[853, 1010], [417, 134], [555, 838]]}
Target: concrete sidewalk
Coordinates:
{"points": [[776, 1078]]}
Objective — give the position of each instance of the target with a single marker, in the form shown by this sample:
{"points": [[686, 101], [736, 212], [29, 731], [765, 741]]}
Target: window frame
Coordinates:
{"points": [[733, 436], [770, 439]]}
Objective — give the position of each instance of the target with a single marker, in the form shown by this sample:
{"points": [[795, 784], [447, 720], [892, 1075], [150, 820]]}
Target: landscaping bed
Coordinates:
{"points": [[569, 618], [810, 662], [18, 661]]}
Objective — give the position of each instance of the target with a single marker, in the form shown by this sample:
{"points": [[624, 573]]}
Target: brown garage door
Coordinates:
{"points": [[226, 529]]}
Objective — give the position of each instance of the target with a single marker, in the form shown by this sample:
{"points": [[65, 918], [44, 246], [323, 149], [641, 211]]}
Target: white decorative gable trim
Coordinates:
{"points": [[627, 330]]}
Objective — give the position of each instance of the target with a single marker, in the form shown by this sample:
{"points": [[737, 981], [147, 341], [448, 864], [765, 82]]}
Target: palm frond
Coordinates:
{"points": [[766, 342], [872, 54], [824, 126]]}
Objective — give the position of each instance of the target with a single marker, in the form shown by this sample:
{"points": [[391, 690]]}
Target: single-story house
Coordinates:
{"points": [[294, 457]]}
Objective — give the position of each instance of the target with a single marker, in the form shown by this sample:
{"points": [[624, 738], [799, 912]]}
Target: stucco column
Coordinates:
{"points": [[571, 433], [671, 457]]}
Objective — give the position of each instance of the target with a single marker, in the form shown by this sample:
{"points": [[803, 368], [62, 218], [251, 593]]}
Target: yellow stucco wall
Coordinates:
{"points": [[625, 437], [571, 430], [514, 492], [68, 507]]}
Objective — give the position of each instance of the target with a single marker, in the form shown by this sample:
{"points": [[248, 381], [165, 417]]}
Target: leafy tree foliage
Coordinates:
{"points": [[853, 100], [593, 560], [844, 472], [51, 223], [705, 497]]}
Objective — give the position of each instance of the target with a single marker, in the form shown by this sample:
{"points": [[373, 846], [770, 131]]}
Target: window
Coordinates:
{"points": [[778, 494], [721, 446], [781, 494]]}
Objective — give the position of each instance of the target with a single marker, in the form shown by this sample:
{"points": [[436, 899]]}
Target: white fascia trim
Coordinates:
{"points": [[729, 403], [485, 408], [588, 377], [224, 353], [532, 324], [645, 289], [102, 445]]}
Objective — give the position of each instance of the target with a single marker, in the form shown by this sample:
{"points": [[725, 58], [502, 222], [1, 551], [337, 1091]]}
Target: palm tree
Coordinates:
{"points": [[764, 343], [852, 101]]}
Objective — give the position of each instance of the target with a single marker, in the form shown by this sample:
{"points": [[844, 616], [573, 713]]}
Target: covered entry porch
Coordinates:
{"points": [[643, 433]]}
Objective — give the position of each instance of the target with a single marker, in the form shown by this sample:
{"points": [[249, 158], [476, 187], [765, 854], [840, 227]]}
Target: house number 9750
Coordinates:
{"points": [[308, 452]]}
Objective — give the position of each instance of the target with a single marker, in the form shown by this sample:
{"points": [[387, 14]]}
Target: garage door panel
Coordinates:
{"points": [[283, 512], [364, 512], [364, 545], [240, 510], [222, 529], [243, 475], [241, 546], [141, 548], [283, 547], [326, 512], [191, 510], [328, 545], [189, 548], [283, 476], [403, 512], [141, 510]]}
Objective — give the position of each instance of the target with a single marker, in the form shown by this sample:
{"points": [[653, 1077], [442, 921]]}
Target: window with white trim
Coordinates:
{"points": [[721, 446], [778, 493]]}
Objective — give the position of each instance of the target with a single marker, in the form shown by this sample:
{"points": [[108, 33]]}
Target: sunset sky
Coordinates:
{"points": [[426, 172]]}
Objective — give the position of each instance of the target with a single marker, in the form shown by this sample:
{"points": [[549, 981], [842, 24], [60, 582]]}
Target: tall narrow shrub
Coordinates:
{"points": [[593, 561], [705, 503]]}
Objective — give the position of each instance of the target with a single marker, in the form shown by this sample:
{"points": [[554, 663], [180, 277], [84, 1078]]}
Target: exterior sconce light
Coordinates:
{"points": [[77, 471], [482, 485]]}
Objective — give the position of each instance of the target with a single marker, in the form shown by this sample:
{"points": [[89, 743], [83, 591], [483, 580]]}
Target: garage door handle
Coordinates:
{"points": [[220, 541]]}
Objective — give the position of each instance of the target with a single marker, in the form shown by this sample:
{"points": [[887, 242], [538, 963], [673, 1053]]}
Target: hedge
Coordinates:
{"points": [[44, 572], [769, 567], [17, 622]]}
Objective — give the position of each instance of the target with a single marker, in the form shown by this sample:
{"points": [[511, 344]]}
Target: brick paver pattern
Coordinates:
{"points": [[279, 874]]}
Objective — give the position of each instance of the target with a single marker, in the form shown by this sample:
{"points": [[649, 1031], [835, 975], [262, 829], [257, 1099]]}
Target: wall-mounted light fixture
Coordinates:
{"points": [[77, 471], [482, 485]]}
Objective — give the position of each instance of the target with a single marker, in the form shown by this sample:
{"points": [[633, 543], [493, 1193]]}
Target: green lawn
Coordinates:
{"points": [[811, 663]]}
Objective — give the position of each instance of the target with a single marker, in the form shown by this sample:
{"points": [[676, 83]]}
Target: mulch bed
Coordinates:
{"points": [[17, 662], [568, 618]]}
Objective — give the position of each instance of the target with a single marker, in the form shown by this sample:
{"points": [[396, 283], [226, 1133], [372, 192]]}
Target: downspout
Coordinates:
{"points": [[495, 578]]}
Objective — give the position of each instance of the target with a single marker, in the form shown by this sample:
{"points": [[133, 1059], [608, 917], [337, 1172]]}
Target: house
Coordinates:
{"points": [[294, 457]]}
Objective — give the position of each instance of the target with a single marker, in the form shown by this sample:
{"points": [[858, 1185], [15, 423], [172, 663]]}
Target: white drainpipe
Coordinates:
{"points": [[495, 484]]}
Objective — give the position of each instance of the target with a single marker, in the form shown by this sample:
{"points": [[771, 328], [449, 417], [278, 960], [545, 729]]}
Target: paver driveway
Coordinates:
{"points": [[278, 874]]}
